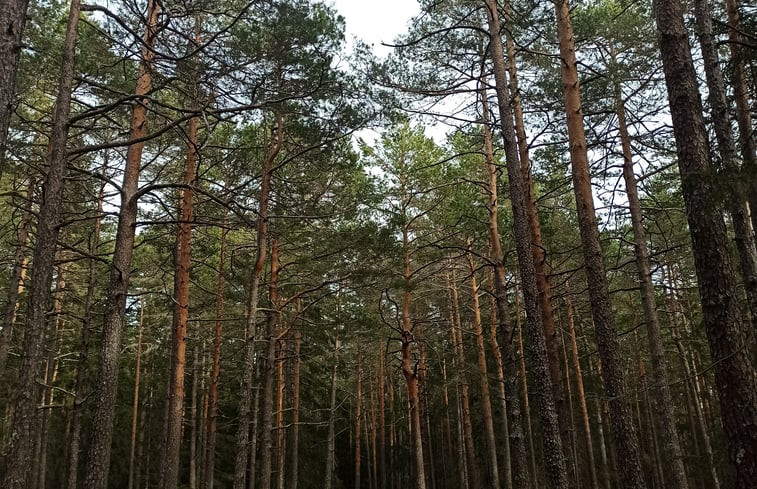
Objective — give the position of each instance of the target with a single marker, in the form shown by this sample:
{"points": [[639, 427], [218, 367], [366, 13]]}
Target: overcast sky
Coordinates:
{"points": [[376, 21]]}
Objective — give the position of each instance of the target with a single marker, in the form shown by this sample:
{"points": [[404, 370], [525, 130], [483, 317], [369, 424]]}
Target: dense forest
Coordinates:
{"points": [[240, 250]]}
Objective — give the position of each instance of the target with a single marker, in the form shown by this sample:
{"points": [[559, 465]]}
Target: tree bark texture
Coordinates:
{"points": [[16, 282], [486, 404], [12, 23], [734, 375], [721, 122], [554, 458], [624, 435], [211, 427], [179, 334], [673, 456], [23, 428], [266, 465], [243, 432], [98, 463], [743, 108]]}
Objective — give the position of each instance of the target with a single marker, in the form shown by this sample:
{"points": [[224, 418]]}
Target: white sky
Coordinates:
{"points": [[376, 21]]}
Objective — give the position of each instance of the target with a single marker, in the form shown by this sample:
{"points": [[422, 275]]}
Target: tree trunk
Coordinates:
{"points": [[80, 378], [280, 430], [23, 427], [255, 427], [358, 412], [734, 375], [210, 439], [516, 466], [382, 419], [524, 383], [624, 434], [486, 405], [98, 464], [743, 109], [673, 456], [501, 382], [453, 313], [243, 431], [592, 467], [16, 282], [721, 122], [176, 392], [553, 453], [51, 373], [409, 370], [193, 432], [135, 401], [12, 23], [473, 476], [330, 451], [697, 422], [269, 368], [539, 252], [294, 467]]}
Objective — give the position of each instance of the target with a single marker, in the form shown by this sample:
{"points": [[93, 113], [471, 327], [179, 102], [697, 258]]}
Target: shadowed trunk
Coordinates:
{"points": [[734, 375], [24, 425]]}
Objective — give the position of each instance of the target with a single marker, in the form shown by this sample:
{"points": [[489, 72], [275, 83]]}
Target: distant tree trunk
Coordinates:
{"points": [[374, 441], [294, 467], [572, 438], [505, 425], [142, 462], [592, 467], [721, 122], [382, 418], [243, 431], [12, 23], [673, 456], [51, 373], [524, 383], [554, 458], [280, 429], [210, 437], [516, 468], [358, 412], [409, 370], [473, 476], [453, 314], [24, 425], [16, 282], [743, 109], [539, 252], [81, 375], [486, 405], [697, 423], [330, 451], [255, 427], [624, 434], [176, 392], [193, 432], [734, 375], [135, 401], [269, 367], [98, 463]]}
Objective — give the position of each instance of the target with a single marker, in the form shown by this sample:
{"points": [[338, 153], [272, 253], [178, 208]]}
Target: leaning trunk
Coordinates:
{"points": [[673, 457], [624, 433], [23, 428], [243, 431], [553, 452], [721, 122], [734, 375], [12, 23]]}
